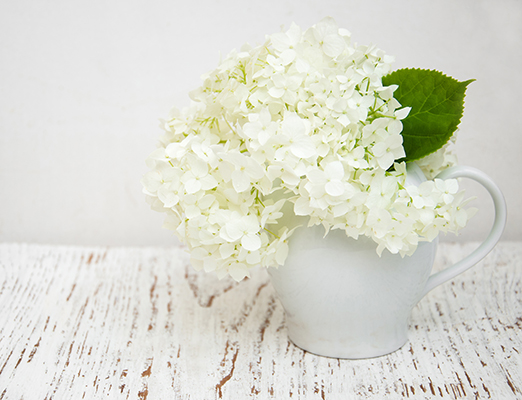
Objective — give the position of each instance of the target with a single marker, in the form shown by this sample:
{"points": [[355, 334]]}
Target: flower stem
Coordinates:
{"points": [[272, 233]]}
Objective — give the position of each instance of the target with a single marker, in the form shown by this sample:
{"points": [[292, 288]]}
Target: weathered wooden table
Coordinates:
{"points": [[140, 323]]}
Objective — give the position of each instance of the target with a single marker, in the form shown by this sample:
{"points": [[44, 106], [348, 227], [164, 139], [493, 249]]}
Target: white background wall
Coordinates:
{"points": [[83, 84]]}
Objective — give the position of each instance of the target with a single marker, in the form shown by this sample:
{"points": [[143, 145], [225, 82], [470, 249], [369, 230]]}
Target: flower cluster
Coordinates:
{"points": [[297, 130]]}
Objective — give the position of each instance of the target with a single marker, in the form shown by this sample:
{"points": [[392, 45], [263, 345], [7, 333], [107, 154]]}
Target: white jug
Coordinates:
{"points": [[342, 300]]}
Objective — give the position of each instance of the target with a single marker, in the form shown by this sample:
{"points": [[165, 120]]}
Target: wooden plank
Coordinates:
{"points": [[140, 323]]}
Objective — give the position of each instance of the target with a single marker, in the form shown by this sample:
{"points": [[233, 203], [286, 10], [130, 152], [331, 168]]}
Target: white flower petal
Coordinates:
{"points": [[251, 242], [276, 92], [335, 170], [240, 181], [333, 45], [238, 271], [281, 253], [402, 113], [304, 148], [226, 250], [334, 188], [192, 186]]}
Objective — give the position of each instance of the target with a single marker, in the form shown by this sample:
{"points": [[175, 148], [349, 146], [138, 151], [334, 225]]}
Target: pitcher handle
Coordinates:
{"points": [[494, 235]]}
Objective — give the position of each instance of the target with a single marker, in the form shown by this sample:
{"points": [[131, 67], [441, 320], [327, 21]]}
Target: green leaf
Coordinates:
{"points": [[437, 104]]}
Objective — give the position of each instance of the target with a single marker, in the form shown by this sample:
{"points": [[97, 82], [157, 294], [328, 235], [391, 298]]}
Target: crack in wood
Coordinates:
{"points": [[33, 352], [486, 390], [268, 318], [226, 378], [147, 372], [202, 293], [143, 393], [69, 354], [509, 382], [20, 359], [72, 290]]}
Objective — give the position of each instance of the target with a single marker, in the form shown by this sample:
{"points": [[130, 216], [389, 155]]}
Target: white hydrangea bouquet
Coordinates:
{"points": [[306, 129]]}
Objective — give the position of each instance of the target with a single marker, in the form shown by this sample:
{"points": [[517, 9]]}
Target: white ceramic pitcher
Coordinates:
{"points": [[342, 300]]}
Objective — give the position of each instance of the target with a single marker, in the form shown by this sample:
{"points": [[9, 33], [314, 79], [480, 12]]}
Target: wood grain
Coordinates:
{"points": [[140, 323]]}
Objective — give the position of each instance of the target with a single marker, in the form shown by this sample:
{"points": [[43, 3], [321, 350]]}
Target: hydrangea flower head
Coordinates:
{"points": [[298, 130]]}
